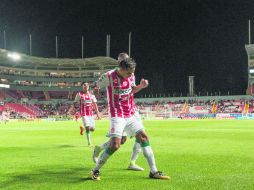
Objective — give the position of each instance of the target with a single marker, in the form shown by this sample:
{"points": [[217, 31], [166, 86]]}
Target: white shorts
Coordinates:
{"points": [[88, 121], [4, 118], [125, 126]]}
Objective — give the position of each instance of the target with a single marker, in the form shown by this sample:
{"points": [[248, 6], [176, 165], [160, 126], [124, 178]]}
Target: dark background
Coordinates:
{"points": [[171, 39]]}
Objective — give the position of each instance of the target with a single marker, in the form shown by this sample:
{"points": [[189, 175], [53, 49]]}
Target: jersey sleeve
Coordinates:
{"points": [[103, 81], [77, 98]]}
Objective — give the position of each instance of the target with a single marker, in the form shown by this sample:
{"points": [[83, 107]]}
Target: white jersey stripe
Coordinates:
{"points": [[120, 103], [112, 94]]}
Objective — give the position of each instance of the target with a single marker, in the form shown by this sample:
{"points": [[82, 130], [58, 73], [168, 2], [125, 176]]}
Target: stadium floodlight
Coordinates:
{"points": [[251, 70], [4, 86], [14, 56]]}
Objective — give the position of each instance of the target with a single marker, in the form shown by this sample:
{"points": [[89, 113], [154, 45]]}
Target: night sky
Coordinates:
{"points": [[171, 39]]}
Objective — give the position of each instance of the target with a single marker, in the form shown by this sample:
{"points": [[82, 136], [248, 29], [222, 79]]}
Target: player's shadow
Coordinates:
{"points": [[66, 146], [62, 176]]}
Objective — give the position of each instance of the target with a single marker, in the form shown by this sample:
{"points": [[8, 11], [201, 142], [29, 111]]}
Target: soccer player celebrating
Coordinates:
{"points": [[86, 102], [120, 85], [136, 148], [6, 116]]}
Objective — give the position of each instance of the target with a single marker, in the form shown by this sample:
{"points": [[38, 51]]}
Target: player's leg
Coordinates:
{"points": [[134, 121], [97, 150], [81, 130], [115, 143], [88, 137], [148, 153], [136, 127], [116, 131], [134, 156], [86, 124], [135, 151], [91, 123]]}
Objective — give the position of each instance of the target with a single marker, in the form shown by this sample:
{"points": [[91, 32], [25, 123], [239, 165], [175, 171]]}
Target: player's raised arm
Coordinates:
{"points": [[101, 83], [143, 84]]}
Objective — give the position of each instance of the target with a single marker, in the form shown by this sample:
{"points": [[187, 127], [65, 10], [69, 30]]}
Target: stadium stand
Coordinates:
{"points": [[32, 81], [43, 87]]}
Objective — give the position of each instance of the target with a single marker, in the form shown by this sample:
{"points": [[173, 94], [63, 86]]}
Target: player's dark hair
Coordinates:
{"points": [[84, 83], [127, 63]]}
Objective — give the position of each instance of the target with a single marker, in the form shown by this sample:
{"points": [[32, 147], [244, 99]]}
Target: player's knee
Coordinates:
{"points": [[115, 143], [115, 146], [142, 137], [91, 129], [138, 150]]}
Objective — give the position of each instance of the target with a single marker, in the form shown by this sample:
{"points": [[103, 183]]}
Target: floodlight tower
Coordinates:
{"points": [[250, 52], [191, 86]]}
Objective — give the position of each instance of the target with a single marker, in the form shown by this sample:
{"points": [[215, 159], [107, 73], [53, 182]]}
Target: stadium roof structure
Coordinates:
{"points": [[57, 64]]}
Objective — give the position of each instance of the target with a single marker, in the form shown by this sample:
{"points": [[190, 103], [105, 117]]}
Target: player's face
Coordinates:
{"points": [[85, 87], [128, 72]]}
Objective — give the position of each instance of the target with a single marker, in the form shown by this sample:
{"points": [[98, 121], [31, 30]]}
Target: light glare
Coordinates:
{"points": [[14, 56], [4, 86]]}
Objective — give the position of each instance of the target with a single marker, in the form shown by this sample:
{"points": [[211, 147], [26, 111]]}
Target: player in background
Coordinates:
{"points": [[6, 116], [86, 102], [136, 148], [120, 85]]}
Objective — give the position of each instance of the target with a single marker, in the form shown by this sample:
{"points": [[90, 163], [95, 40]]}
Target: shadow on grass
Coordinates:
{"points": [[66, 146], [53, 176]]}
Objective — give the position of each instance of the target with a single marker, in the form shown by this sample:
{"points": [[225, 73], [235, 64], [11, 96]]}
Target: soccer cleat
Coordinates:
{"points": [[135, 167], [81, 130], [95, 175], [96, 153], [158, 175]]}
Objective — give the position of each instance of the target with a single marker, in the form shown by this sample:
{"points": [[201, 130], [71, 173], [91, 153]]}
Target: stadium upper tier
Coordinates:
{"points": [[22, 64], [250, 51]]}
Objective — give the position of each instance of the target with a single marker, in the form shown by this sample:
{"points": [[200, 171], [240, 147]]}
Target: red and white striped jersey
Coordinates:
{"points": [[119, 94], [86, 103]]}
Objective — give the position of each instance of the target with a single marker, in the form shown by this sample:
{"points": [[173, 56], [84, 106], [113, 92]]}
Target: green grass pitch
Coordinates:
{"points": [[200, 154]]}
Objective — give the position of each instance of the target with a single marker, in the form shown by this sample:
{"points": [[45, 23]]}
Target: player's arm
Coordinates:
{"points": [[96, 110], [94, 100], [73, 108], [102, 82], [143, 84], [75, 105]]}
